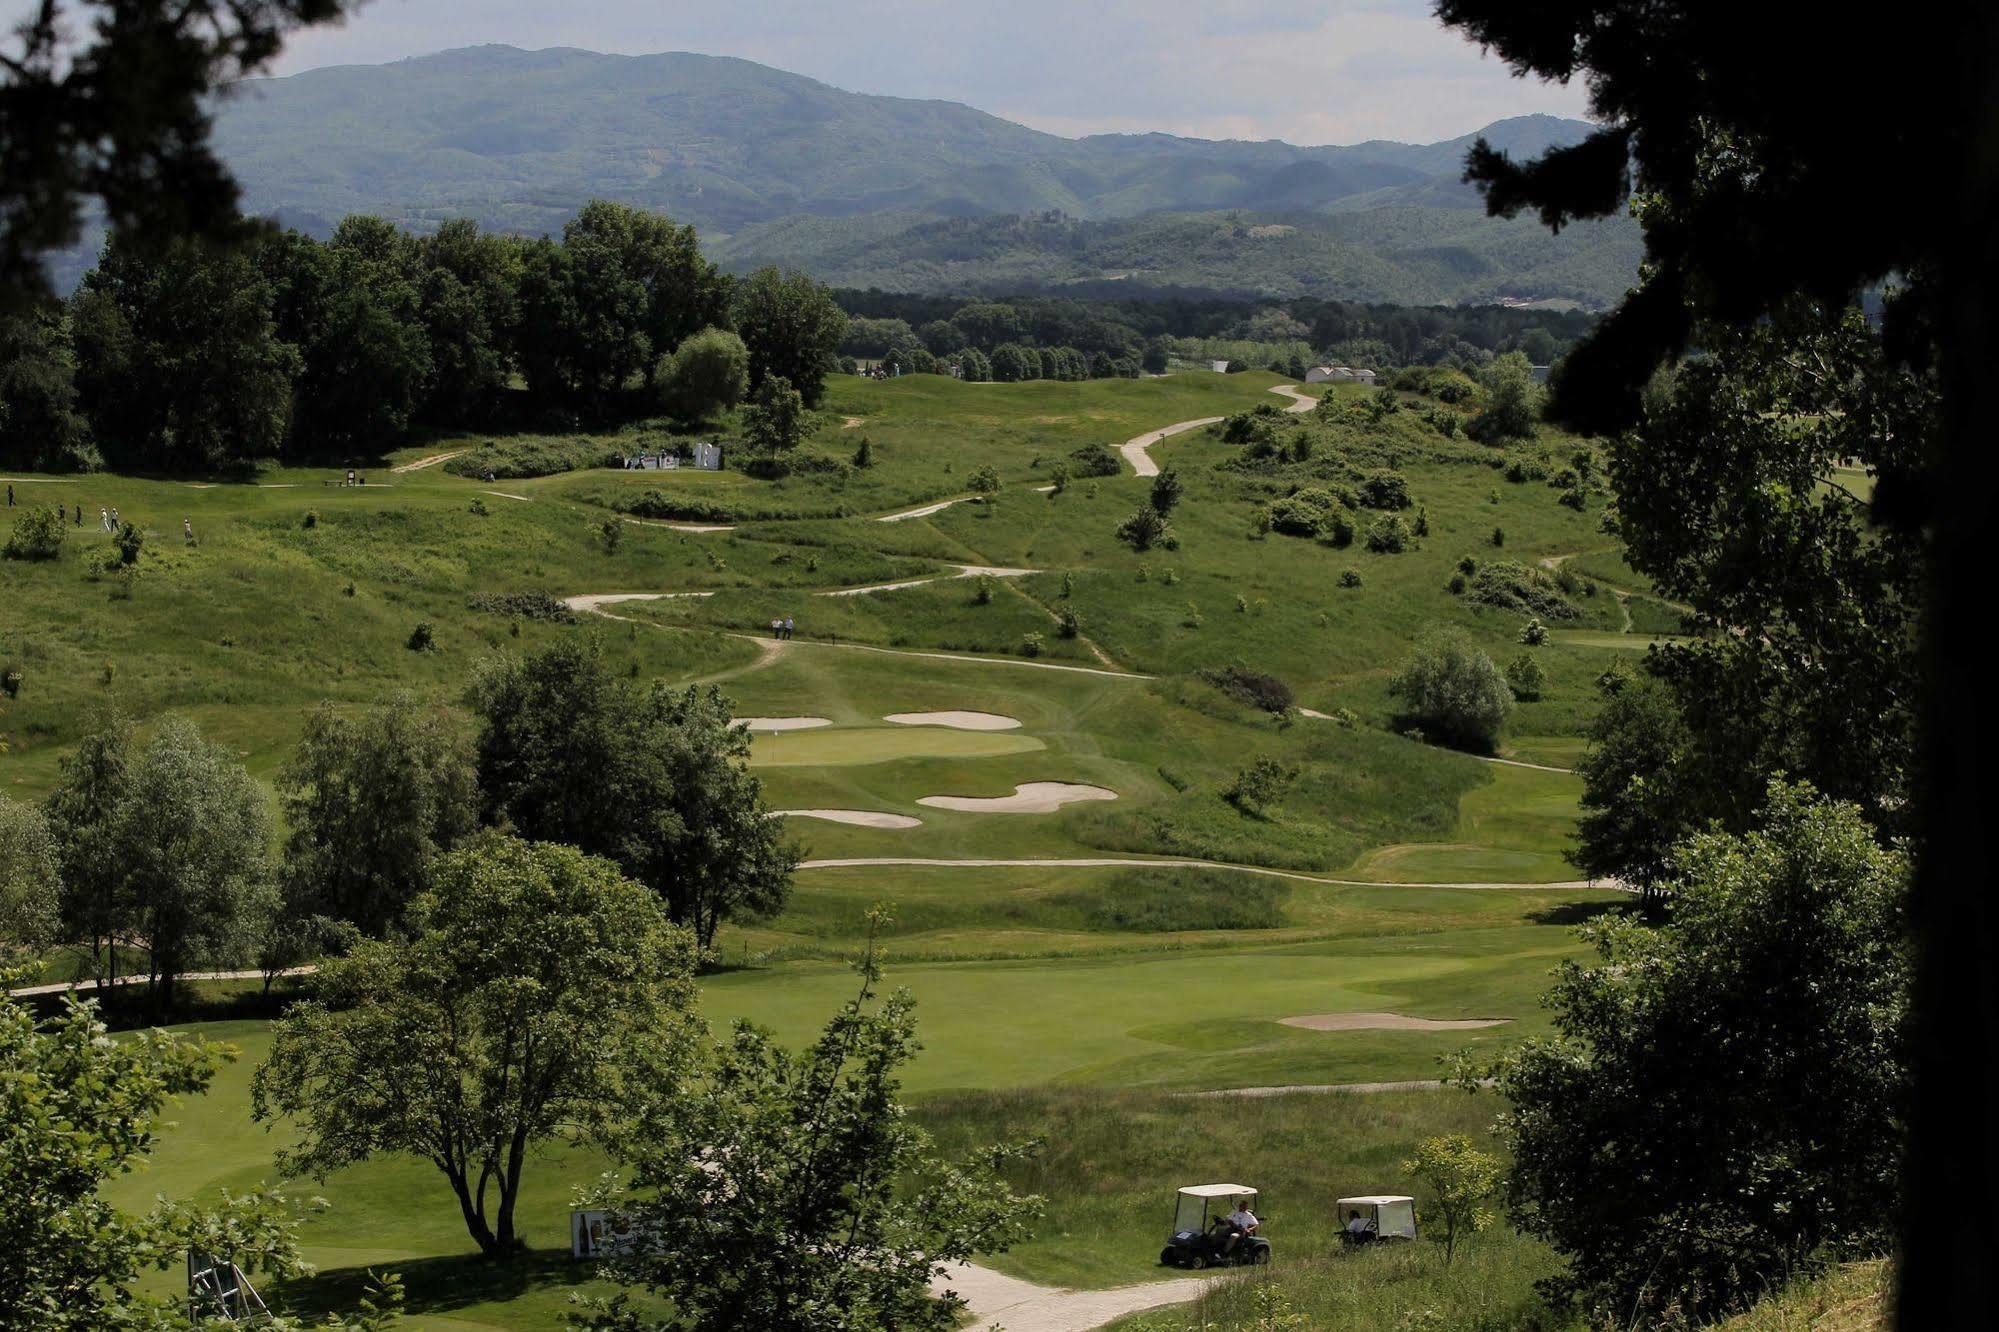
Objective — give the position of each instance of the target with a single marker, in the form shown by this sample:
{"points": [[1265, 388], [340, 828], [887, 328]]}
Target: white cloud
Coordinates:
{"points": [[1330, 71]]}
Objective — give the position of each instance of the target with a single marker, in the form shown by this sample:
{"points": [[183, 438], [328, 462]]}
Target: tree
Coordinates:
{"points": [[1738, 176], [1460, 1178], [1166, 491], [37, 534], [471, 310], [370, 802], [1512, 401], [537, 988], [622, 287], [92, 781], [984, 481], [973, 367], [1144, 529], [1526, 677], [987, 324], [187, 839], [79, 1109], [1725, 1096], [791, 1191], [792, 327], [655, 779], [30, 881], [1012, 363], [1640, 796], [774, 422], [705, 375], [41, 429], [112, 102], [178, 361], [1260, 785], [1451, 690]]}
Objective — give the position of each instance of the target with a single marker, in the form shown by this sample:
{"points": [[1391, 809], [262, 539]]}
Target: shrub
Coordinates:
{"points": [[864, 456], [1574, 499], [1509, 585], [130, 541], [37, 535], [1144, 529], [421, 638], [1253, 687], [612, 530], [1535, 634], [1069, 625], [1094, 460], [1259, 786], [708, 373], [1451, 691], [532, 455], [1350, 578], [1512, 401], [985, 480], [1166, 491], [1525, 677], [1314, 511], [983, 595], [1030, 645], [10, 680], [1068, 585], [537, 606], [1498, 536], [477, 508], [311, 518], [1387, 535], [1384, 490]]}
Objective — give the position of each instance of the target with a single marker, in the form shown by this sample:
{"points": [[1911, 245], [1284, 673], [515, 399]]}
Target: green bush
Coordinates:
{"points": [[1509, 585], [1094, 460], [130, 541], [1350, 578], [536, 455], [1452, 692], [37, 535], [537, 606], [1255, 688], [1387, 535], [422, 638]]}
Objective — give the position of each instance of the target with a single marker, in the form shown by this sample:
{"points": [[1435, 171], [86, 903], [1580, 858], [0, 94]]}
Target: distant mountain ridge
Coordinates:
{"points": [[520, 139]]}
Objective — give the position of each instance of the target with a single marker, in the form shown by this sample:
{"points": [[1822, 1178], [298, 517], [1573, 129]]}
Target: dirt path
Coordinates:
{"points": [[61, 987], [1113, 862], [1134, 449], [1313, 1088], [432, 461], [964, 571], [995, 1298], [951, 656]]}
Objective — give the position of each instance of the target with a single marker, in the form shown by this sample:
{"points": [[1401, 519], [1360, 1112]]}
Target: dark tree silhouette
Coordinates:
{"points": [[1773, 166]]}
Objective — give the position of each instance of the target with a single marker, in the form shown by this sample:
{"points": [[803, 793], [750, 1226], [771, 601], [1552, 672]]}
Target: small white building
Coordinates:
{"points": [[1219, 367], [1338, 374]]}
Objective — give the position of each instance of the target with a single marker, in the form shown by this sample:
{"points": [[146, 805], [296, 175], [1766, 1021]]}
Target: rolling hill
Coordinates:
{"points": [[870, 190]]}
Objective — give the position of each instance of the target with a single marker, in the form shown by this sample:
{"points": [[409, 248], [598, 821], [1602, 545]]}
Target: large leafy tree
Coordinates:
{"points": [[793, 328], [653, 778], [598, 309], [471, 309], [705, 375], [370, 802], [30, 880], [1725, 1097], [178, 360], [538, 989], [110, 100], [789, 1191], [1450, 689], [1744, 155], [93, 780], [78, 1110], [40, 427]]}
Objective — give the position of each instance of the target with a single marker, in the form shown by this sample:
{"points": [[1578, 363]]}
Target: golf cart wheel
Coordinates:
{"points": [[1166, 1257], [1258, 1257], [1197, 1262]]}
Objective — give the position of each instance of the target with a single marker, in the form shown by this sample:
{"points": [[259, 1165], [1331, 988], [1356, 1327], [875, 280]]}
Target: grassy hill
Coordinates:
{"points": [[1075, 1000], [890, 192]]}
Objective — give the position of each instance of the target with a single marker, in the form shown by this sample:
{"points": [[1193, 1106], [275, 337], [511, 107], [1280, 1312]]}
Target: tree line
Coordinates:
{"points": [[196, 355]]}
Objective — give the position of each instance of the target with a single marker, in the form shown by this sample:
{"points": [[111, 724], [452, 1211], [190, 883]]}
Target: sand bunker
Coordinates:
{"points": [[780, 723], [1033, 798], [956, 720], [860, 818], [1386, 1022]]}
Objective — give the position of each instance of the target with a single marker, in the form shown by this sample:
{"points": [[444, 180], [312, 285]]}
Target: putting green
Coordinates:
{"points": [[850, 746]]}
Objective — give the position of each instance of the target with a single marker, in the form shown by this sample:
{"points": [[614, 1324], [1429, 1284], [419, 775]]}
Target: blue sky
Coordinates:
{"points": [[1334, 71]]}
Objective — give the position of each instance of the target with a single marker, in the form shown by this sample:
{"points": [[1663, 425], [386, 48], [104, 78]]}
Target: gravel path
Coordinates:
{"points": [[432, 461], [1134, 449], [995, 1298]]}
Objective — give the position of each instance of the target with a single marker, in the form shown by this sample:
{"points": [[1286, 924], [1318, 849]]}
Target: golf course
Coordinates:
{"points": [[971, 700]]}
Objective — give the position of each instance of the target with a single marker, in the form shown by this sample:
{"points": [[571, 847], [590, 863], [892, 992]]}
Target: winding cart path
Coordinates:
{"points": [[1134, 449]]}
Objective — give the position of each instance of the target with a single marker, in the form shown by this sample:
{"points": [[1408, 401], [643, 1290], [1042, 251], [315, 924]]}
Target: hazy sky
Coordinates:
{"points": [[1310, 71]]}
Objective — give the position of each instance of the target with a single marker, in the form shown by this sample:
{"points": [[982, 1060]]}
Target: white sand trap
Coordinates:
{"points": [[961, 721], [1033, 798], [1386, 1022], [781, 723], [860, 818]]}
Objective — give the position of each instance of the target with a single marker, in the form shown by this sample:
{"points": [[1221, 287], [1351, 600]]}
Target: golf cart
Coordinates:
{"points": [[1384, 1218], [1202, 1235]]}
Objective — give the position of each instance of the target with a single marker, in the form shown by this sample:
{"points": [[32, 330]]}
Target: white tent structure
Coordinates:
{"points": [[1390, 1215]]}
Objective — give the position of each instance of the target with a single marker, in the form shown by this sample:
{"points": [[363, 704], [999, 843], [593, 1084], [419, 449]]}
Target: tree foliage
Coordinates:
{"points": [[774, 422], [705, 375], [653, 778], [30, 880], [1452, 691], [1461, 1179], [537, 988], [792, 327], [1724, 1099], [789, 1191], [370, 801]]}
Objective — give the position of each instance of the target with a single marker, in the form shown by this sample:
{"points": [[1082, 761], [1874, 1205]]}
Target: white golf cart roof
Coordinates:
{"points": [[1218, 1191], [1376, 1200]]}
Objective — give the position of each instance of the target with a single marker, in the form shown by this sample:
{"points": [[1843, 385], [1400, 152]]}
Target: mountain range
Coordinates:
{"points": [[901, 193]]}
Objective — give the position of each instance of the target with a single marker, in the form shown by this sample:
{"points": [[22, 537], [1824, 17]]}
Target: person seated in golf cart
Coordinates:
{"points": [[1204, 1234], [1376, 1218], [1229, 1231]]}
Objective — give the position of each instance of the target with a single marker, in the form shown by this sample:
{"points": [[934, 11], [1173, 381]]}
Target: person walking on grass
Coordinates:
{"points": [[79, 515], [10, 494], [187, 530], [103, 519], [114, 520], [789, 627]]}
